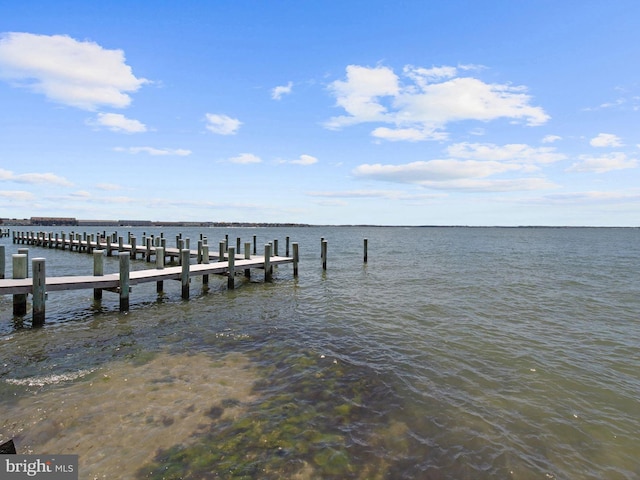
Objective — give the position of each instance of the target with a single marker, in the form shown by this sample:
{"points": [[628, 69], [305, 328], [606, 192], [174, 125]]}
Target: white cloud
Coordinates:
{"points": [[17, 195], [551, 138], [603, 163], [513, 153], [117, 122], [606, 140], [222, 124], [305, 160], [80, 74], [108, 186], [279, 91], [431, 98], [245, 158], [155, 151], [34, 178]]}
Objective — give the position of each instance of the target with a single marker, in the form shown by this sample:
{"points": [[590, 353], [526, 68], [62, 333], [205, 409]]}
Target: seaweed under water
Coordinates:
{"points": [[313, 417]]}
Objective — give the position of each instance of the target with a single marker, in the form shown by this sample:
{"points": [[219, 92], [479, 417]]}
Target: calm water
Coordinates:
{"points": [[455, 353]]}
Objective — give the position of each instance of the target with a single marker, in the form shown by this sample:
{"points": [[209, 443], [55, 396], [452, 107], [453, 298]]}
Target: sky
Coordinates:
{"points": [[425, 112]]}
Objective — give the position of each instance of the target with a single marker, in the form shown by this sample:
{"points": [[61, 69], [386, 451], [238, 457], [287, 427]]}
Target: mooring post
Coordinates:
{"points": [[296, 258], [148, 252], [98, 271], [205, 259], [159, 266], [19, 272], [238, 241], [39, 291], [108, 246], [124, 280], [133, 247], [366, 245], [324, 254], [199, 257], [254, 244], [286, 252], [226, 242], [25, 252], [184, 276], [247, 256], [2, 261], [267, 263], [221, 251], [180, 248], [275, 247], [231, 268], [120, 244]]}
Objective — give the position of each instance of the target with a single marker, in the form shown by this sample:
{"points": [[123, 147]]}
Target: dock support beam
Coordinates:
{"points": [[39, 291], [247, 256], [124, 281], [205, 259], [19, 272]]}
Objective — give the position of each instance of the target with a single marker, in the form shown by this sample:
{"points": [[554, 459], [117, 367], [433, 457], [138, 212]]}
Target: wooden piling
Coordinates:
{"points": [[205, 259], [133, 247], [159, 266], [366, 245], [231, 269], [124, 281], [98, 271], [221, 251], [247, 256], [267, 263], [2, 262], [254, 244], [184, 276], [19, 272], [296, 258], [39, 291], [324, 254]]}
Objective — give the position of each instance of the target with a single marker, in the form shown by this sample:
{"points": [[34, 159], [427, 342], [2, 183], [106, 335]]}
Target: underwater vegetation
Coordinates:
{"points": [[314, 417]]}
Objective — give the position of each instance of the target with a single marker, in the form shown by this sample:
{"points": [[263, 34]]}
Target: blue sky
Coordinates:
{"points": [[335, 112]]}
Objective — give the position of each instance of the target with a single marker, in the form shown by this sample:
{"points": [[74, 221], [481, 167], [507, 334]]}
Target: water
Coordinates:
{"points": [[454, 353]]}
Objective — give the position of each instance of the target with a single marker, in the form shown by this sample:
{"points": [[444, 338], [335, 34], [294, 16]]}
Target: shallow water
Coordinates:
{"points": [[453, 353]]}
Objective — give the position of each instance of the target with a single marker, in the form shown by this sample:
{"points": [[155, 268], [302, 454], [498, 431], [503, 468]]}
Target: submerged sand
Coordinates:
{"points": [[119, 416]]}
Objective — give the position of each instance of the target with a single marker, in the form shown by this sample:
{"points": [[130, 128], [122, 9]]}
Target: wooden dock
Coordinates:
{"points": [[227, 261]]}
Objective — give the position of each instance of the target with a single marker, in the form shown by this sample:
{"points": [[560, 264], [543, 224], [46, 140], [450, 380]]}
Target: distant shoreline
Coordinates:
{"points": [[72, 222]]}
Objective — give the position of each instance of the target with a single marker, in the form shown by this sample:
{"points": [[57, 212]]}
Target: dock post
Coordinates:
{"points": [[64, 240], [324, 254], [247, 256], [199, 257], [133, 247], [286, 253], [231, 269], [184, 276], [108, 246], [98, 271], [254, 244], [221, 251], [19, 272], [159, 266], [267, 262], [205, 259], [124, 281], [366, 245], [120, 244], [25, 251], [296, 258], [39, 291], [275, 247], [2, 260], [149, 242]]}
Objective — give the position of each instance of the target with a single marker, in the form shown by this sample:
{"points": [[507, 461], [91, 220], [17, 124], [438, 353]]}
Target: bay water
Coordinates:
{"points": [[453, 353]]}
